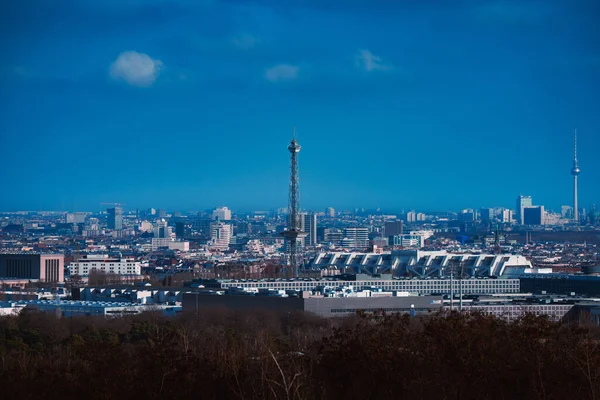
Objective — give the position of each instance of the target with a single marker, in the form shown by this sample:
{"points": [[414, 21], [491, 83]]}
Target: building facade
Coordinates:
{"points": [[221, 214], [115, 218], [104, 263], [533, 215], [356, 237], [308, 223], [414, 286], [393, 228], [522, 202], [220, 235], [42, 267]]}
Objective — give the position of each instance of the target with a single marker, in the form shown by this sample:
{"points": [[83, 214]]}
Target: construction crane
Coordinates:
{"points": [[114, 204]]}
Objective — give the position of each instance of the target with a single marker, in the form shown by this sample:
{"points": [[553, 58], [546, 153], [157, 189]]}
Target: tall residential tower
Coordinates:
{"points": [[575, 172]]}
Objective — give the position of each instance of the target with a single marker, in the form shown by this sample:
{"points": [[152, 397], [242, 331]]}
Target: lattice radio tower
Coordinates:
{"points": [[294, 231]]}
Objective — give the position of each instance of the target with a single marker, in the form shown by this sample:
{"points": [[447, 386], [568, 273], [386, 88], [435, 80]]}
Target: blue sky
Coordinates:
{"points": [[432, 105]]}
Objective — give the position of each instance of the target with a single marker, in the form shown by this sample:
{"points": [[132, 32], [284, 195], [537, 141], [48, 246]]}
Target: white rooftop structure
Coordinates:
{"points": [[424, 264]]}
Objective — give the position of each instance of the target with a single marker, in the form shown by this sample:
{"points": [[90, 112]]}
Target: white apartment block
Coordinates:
{"points": [[220, 235], [104, 263]]}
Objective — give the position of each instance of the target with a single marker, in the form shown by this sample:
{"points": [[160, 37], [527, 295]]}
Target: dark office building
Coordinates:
{"points": [[115, 218], [179, 230], [393, 228], [43, 267], [533, 215], [580, 285]]}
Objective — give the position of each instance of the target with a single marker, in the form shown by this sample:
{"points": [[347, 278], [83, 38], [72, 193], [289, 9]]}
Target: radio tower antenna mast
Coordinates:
{"points": [[294, 230], [575, 172]]}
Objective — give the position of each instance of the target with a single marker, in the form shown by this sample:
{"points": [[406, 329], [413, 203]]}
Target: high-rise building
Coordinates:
{"points": [[392, 228], [76, 217], [490, 214], [522, 202], [162, 230], [221, 214], [115, 218], [330, 212], [533, 215], [411, 216], [506, 216], [575, 172], [162, 213], [220, 235], [332, 235], [566, 212], [357, 236], [179, 229], [309, 226]]}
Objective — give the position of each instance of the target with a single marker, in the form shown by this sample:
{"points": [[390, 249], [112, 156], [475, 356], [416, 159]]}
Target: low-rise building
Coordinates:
{"points": [[105, 263]]}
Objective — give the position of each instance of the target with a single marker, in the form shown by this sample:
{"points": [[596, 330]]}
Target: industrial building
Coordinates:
{"points": [[319, 305], [564, 284], [127, 294], [414, 286], [67, 308], [33, 266], [423, 264]]}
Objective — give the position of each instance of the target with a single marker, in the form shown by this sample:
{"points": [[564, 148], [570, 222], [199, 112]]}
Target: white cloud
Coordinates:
{"points": [[244, 41], [282, 72], [370, 62], [137, 69]]}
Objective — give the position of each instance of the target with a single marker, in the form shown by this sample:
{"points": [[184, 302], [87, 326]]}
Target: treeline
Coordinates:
{"points": [[228, 355]]}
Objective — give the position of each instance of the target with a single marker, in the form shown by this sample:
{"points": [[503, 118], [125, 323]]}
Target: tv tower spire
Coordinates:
{"points": [[575, 172], [294, 231]]}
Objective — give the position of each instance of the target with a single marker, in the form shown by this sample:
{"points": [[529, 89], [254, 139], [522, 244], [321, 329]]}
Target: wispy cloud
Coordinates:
{"points": [[244, 41], [370, 62], [282, 72], [137, 69]]}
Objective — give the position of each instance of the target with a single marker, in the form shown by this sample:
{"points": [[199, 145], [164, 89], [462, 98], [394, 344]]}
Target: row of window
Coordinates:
{"points": [[370, 310]]}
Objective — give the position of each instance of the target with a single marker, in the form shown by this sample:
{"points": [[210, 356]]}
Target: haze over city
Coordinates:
{"points": [[189, 105]]}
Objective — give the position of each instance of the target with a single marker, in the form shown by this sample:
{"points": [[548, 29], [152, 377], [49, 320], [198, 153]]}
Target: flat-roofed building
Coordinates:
{"points": [[105, 263], [415, 286], [42, 267]]}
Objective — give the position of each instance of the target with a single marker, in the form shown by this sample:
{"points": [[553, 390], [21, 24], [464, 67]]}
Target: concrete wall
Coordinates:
{"points": [[343, 306], [200, 301]]}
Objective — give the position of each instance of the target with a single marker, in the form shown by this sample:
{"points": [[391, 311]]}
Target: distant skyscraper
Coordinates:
{"points": [[357, 236], [220, 235], [392, 228], [575, 172], [161, 229], [533, 215], [506, 216], [221, 214], [411, 216], [566, 212], [76, 217], [309, 226], [115, 218], [180, 229], [330, 212], [162, 213], [522, 202]]}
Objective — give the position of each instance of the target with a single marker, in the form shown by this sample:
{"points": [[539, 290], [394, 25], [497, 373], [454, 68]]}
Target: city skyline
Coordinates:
{"points": [[186, 106]]}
